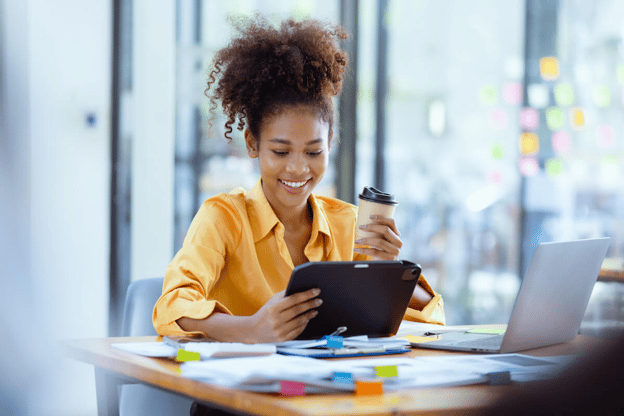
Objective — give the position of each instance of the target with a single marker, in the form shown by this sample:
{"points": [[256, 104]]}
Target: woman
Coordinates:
{"points": [[228, 279]]}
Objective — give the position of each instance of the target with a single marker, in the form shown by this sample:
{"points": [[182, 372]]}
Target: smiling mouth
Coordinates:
{"points": [[294, 184]]}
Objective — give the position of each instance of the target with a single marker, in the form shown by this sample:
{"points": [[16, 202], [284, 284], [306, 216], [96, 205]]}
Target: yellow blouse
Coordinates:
{"points": [[234, 258]]}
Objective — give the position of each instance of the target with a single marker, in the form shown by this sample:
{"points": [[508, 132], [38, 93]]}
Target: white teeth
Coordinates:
{"points": [[294, 184]]}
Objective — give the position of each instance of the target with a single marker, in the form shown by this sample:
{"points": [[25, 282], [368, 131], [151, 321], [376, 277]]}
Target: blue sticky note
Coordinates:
{"points": [[340, 377], [334, 341]]}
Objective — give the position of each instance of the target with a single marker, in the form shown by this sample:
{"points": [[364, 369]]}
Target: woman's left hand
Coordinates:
{"points": [[385, 244]]}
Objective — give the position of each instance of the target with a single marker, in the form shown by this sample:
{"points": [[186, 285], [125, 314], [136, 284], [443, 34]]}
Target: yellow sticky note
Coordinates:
{"points": [[529, 143], [414, 339], [487, 330], [387, 371], [188, 356], [577, 118], [549, 68]]}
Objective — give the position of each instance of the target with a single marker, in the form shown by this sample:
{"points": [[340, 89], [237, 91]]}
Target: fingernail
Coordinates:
{"points": [[319, 302], [316, 291]]}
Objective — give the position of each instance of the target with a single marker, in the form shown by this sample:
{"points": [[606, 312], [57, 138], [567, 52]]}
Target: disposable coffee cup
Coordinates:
{"points": [[373, 202]]}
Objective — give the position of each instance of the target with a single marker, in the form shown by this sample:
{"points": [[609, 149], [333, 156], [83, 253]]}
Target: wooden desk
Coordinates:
{"points": [[114, 367], [612, 270]]}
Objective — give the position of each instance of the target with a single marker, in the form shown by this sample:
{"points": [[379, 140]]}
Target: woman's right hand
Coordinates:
{"points": [[283, 318]]}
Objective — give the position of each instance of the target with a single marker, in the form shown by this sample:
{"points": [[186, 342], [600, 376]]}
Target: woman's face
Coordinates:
{"points": [[292, 152]]}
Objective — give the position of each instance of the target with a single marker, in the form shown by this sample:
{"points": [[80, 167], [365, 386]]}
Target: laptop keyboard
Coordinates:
{"points": [[490, 342]]}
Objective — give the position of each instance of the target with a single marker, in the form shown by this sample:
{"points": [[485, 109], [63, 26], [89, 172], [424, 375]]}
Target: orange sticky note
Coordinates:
{"points": [[368, 388]]}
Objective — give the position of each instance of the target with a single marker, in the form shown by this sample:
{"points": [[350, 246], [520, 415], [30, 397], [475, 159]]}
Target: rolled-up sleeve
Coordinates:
{"points": [[433, 312], [194, 271]]}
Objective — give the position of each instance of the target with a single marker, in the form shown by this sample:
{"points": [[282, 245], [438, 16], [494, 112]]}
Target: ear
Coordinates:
{"points": [[251, 143]]}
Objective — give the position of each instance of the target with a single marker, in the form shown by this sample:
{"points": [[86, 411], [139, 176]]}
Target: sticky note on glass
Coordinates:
{"points": [[187, 356], [529, 119], [292, 388], [554, 118], [340, 377], [334, 341], [487, 330], [554, 167], [387, 371], [549, 68], [577, 118], [602, 96], [528, 166], [561, 141], [512, 93], [529, 143], [488, 94], [368, 388], [620, 74], [564, 95]]}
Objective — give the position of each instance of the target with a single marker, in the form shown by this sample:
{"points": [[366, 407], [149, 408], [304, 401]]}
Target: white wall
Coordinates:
{"points": [[61, 182]]}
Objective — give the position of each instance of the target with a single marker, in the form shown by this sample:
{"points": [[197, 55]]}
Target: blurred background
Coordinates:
{"points": [[498, 125]]}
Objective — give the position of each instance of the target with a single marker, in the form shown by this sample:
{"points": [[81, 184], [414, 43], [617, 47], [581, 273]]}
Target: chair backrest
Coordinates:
{"points": [[140, 300]]}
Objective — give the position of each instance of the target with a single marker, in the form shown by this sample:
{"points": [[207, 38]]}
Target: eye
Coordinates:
{"points": [[315, 153], [280, 152]]}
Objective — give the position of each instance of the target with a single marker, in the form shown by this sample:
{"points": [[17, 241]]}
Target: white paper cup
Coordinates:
{"points": [[373, 202]]}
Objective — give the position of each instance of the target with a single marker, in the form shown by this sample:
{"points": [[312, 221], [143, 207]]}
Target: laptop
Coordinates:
{"points": [[550, 305]]}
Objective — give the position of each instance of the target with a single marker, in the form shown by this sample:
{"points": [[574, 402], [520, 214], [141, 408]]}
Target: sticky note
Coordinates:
{"points": [[292, 388], [564, 95], [529, 143], [498, 119], [554, 118], [620, 74], [549, 68], [577, 118], [487, 330], [340, 377], [497, 152], [415, 339], [514, 67], [561, 141], [367, 388], [512, 93], [529, 119], [602, 96], [554, 167], [605, 136], [488, 94], [187, 356], [528, 166], [387, 371], [538, 95], [334, 341]]}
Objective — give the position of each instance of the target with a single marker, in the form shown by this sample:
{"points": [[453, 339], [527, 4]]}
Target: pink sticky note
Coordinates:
{"points": [[292, 388], [529, 119], [512, 93], [605, 136], [498, 119], [561, 141], [529, 166]]}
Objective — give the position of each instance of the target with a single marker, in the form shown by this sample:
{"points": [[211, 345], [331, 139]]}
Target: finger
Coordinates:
{"points": [[386, 221], [385, 231], [375, 254], [294, 331], [297, 298], [300, 309]]}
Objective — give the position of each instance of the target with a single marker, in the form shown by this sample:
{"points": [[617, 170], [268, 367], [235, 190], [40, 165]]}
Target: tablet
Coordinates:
{"points": [[367, 297]]}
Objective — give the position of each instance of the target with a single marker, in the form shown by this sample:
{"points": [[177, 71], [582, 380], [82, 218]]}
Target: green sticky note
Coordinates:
{"points": [[188, 356], [387, 371], [564, 95], [554, 167], [486, 330], [497, 152], [602, 96], [488, 94], [620, 74], [554, 118]]}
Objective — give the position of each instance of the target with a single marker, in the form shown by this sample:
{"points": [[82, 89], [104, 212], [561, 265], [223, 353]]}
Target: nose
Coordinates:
{"points": [[297, 165]]}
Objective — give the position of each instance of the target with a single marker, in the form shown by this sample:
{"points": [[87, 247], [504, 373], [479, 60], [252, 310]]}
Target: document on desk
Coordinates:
{"points": [[207, 350], [264, 374]]}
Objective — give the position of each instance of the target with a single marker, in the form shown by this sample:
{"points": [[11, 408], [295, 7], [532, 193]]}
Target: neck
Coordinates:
{"points": [[293, 219]]}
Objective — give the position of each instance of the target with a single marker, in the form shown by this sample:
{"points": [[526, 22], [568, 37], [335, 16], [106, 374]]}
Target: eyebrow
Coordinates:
{"points": [[282, 141]]}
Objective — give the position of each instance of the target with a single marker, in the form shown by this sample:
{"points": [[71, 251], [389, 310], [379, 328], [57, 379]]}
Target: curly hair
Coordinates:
{"points": [[266, 69]]}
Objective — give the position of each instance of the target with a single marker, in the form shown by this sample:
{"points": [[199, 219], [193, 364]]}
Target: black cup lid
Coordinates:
{"points": [[374, 195]]}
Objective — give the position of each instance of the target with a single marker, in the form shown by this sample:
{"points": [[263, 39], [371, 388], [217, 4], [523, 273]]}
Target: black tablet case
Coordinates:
{"points": [[368, 297]]}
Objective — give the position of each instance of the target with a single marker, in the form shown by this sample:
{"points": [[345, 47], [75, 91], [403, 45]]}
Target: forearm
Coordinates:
{"points": [[221, 327], [420, 298]]}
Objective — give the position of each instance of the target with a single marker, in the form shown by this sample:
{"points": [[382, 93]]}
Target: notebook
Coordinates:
{"points": [[550, 305]]}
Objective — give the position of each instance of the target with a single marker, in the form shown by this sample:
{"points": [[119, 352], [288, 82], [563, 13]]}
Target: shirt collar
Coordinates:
{"points": [[262, 218]]}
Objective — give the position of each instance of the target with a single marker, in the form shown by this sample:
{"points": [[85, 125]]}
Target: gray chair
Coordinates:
{"points": [[137, 399]]}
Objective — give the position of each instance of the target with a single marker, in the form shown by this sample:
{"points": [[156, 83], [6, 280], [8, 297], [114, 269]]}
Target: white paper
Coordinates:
{"points": [[229, 349], [148, 349]]}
